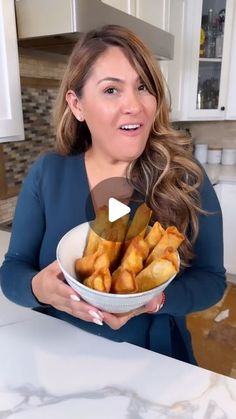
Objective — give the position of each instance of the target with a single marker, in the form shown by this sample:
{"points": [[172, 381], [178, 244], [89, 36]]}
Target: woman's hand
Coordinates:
{"points": [[49, 288], [116, 321]]}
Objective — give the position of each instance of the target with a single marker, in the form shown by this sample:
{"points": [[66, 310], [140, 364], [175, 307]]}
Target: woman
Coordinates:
{"points": [[112, 120]]}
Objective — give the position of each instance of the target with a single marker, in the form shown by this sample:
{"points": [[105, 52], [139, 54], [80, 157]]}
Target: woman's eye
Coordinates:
{"points": [[111, 90], [143, 87]]}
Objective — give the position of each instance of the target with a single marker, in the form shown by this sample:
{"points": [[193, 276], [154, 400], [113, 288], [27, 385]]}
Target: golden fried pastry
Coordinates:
{"points": [[139, 223], [123, 278], [123, 282], [100, 280], [98, 226], [154, 235], [135, 255], [85, 266], [157, 272], [171, 238], [113, 261]]}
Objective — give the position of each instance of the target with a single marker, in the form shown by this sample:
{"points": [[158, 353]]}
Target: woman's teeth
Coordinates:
{"points": [[130, 126]]}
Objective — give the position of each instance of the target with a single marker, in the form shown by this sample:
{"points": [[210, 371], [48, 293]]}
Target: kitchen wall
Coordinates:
{"points": [[214, 133], [40, 77]]}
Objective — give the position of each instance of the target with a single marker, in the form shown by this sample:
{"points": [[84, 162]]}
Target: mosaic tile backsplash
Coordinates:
{"points": [[37, 109], [37, 106]]}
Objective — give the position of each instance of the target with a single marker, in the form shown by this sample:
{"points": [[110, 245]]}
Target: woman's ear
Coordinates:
{"points": [[74, 105]]}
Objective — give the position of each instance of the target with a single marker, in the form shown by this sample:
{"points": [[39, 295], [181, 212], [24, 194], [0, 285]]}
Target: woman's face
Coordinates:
{"points": [[117, 107]]}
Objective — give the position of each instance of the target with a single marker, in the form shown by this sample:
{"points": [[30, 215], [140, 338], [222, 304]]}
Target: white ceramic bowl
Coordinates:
{"points": [[71, 247]]}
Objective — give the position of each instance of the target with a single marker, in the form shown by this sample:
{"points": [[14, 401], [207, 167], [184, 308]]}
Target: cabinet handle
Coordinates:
{"points": [[222, 108]]}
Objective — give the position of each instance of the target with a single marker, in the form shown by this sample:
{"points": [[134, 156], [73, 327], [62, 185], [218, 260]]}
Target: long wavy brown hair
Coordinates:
{"points": [[165, 173]]}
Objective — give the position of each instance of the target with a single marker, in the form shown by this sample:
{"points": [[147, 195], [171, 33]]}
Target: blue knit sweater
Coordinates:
{"points": [[54, 199]]}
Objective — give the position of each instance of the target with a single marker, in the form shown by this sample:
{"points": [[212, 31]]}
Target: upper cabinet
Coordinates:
{"points": [[207, 47], [231, 90], [127, 6], [169, 16], [11, 118]]}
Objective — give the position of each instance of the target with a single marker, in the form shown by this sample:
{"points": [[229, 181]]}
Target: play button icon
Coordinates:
{"points": [[116, 209]]}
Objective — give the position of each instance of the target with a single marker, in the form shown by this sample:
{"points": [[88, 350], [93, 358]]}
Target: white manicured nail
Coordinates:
{"points": [[74, 297], [95, 315], [97, 321]]}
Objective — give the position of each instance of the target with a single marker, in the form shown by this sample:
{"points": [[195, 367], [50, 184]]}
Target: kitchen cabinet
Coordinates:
{"points": [[11, 118], [167, 15], [226, 192], [207, 61], [231, 90], [127, 6]]}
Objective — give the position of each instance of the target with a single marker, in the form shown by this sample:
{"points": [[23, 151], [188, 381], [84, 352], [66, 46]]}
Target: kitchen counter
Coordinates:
{"points": [[220, 173], [4, 241], [52, 369]]}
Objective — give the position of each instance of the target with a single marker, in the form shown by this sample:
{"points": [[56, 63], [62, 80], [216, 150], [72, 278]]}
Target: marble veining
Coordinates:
{"points": [[52, 369], [28, 399]]}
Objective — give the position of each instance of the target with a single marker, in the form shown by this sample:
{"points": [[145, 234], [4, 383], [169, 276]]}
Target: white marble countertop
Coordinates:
{"points": [[52, 369], [4, 241], [220, 173]]}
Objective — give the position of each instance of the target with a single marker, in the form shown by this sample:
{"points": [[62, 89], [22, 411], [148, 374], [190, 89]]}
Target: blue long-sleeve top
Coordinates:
{"points": [[55, 198]]}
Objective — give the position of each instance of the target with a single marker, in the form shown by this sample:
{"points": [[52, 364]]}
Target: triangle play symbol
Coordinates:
{"points": [[116, 209]]}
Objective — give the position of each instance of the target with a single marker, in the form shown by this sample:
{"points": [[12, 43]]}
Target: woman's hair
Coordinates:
{"points": [[165, 173]]}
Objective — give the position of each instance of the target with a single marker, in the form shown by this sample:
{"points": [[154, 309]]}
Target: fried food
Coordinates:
{"points": [[123, 278], [158, 271], [123, 281], [171, 238], [154, 235], [139, 223], [99, 280], [98, 226], [85, 266], [132, 259]]}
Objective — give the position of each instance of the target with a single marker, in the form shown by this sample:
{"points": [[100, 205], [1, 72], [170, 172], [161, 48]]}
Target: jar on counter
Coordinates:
{"points": [[200, 153], [214, 155], [228, 156]]}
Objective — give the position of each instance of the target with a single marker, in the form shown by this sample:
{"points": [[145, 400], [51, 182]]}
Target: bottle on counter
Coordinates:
{"points": [[210, 43]]}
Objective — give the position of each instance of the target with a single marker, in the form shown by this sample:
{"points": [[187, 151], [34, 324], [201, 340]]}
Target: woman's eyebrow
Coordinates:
{"points": [[115, 79]]}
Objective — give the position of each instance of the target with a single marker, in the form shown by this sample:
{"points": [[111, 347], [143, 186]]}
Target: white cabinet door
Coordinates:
{"points": [[168, 15], [11, 119], [206, 78], [231, 91], [228, 206], [153, 12], [175, 68], [127, 6]]}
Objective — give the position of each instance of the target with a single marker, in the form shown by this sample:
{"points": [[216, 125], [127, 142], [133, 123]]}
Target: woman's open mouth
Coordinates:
{"points": [[130, 129]]}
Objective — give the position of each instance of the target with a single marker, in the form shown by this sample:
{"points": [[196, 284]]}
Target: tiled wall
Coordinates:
{"points": [[37, 107], [7, 208], [214, 133], [38, 76]]}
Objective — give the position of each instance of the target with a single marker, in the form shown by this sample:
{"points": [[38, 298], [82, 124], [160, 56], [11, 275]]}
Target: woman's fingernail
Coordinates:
{"points": [[95, 315], [97, 321], [74, 297], [100, 314]]}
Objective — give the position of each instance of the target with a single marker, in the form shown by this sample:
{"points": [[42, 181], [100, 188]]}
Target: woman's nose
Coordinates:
{"points": [[131, 103]]}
